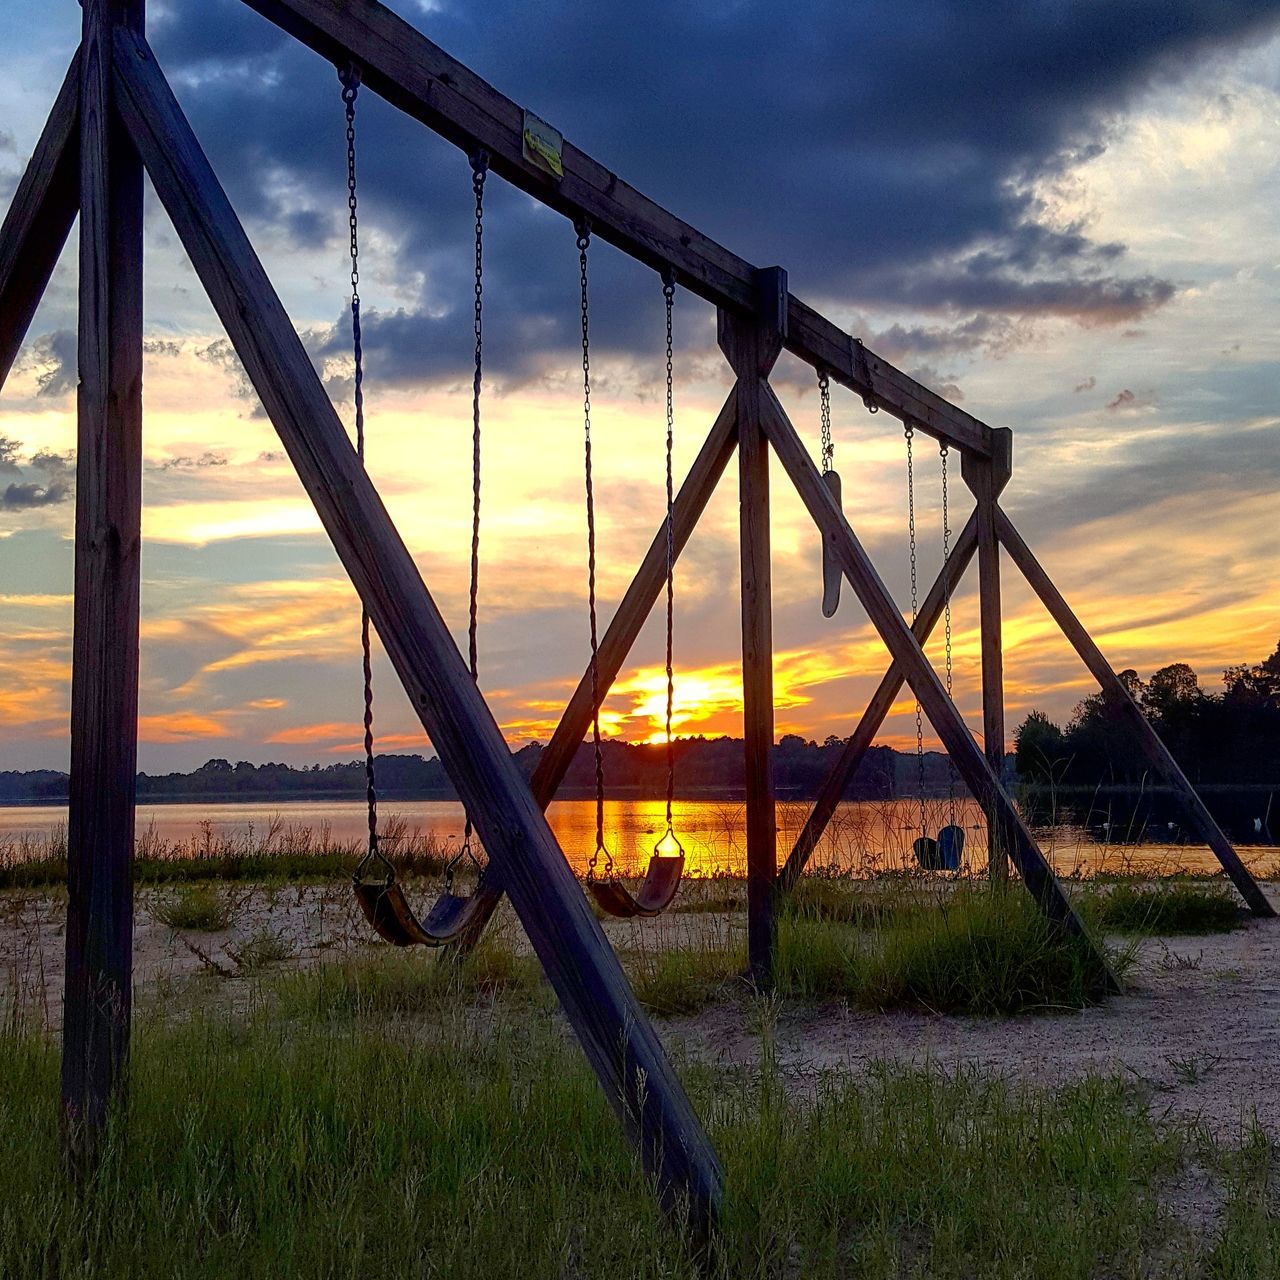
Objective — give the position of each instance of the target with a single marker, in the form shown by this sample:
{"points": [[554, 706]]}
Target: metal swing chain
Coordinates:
{"points": [[350, 78], [909, 431], [583, 228], [824, 394], [479, 171], [943, 453], [669, 296]]}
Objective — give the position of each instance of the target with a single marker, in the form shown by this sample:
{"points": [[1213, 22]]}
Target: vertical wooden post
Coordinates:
{"points": [[751, 347], [104, 681], [986, 478]]}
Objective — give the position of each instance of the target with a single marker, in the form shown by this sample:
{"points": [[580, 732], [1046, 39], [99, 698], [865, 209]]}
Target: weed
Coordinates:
{"points": [[201, 909], [261, 949], [284, 851], [386, 982], [273, 1146]]}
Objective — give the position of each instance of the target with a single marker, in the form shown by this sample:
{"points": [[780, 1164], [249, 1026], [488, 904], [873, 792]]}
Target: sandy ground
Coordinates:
{"points": [[1199, 1026]]}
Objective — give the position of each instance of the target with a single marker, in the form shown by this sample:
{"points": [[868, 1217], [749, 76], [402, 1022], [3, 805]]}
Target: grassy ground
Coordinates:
{"points": [[388, 1114], [389, 1117]]}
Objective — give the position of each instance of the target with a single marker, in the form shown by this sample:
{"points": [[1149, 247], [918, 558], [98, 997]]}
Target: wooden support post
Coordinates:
{"points": [[751, 346], [1118, 696], [986, 478], [622, 631], [39, 219], [946, 720], [104, 679], [856, 746], [610, 1024]]}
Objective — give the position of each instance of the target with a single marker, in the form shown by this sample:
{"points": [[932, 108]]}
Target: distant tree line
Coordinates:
{"points": [[704, 767], [1218, 738]]}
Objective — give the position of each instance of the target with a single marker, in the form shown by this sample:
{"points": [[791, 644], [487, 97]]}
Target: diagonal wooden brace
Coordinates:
{"points": [[609, 1022], [972, 765], [1149, 740], [857, 745], [39, 219], [622, 631]]}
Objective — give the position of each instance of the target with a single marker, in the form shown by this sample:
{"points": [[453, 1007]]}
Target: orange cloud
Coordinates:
{"points": [[304, 734], [181, 726]]}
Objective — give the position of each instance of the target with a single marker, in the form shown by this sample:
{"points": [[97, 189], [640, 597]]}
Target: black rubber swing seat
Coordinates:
{"points": [[387, 909], [655, 894]]}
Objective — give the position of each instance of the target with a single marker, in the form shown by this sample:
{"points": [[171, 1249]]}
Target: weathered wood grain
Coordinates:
{"points": [[986, 479], [752, 348], [104, 677], [1118, 696], [39, 219], [610, 1025]]}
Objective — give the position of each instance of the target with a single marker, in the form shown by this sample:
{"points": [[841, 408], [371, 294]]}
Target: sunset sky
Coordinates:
{"points": [[1065, 217]]}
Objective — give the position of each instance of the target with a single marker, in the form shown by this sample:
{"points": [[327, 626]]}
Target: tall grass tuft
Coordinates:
{"points": [[975, 950], [682, 980], [1163, 907], [389, 982]]}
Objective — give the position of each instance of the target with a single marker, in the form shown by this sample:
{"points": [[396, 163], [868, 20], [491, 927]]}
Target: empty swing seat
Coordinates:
{"points": [[928, 855], [950, 847], [652, 898], [387, 909]]}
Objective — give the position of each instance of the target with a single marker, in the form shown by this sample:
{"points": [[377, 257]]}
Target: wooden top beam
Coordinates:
{"points": [[402, 65]]}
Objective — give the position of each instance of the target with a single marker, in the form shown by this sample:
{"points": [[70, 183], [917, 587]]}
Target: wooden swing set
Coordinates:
{"points": [[116, 116]]}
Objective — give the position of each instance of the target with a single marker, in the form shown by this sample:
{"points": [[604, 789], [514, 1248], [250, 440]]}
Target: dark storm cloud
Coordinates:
{"points": [[981, 332], [20, 497], [53, 358], [56, 471], [884, 152]]}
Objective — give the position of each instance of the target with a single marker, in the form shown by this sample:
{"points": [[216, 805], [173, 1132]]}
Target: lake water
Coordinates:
{"points": [[863, 836]]}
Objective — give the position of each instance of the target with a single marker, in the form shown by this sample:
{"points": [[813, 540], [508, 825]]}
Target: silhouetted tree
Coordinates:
{"points": [[1040, 748]]}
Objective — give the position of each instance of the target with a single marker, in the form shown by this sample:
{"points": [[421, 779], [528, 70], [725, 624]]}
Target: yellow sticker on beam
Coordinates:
{"points": [[543, 145]]}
